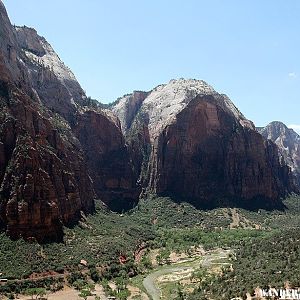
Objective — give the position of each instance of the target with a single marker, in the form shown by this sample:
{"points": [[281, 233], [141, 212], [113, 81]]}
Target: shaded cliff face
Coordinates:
{"points": [[108, 159], [288, 142], [44, 181], [56, 153], [207, 157], [198, 147]]}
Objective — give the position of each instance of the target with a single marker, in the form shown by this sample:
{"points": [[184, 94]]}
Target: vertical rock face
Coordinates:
{"points": [[49, 138], [9, 63], [108, 159], [197, 146], [288, 142], [44, 182], [57, 152], [206, 156], [54, 82], [127, 107]]}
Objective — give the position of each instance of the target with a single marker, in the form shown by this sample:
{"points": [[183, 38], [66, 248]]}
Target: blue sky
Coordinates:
{"points": [[248, 50]]}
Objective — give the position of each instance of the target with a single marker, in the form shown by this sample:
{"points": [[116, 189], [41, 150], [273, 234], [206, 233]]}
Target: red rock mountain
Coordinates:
{"points": [[59, 150], [288, 142], [193, 143]]}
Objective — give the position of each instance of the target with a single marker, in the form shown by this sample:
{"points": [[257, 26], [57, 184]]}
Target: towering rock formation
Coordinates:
{"points": [[56, 150], [193, 143], [54, 82], [288, 142], [44, 181], [59, 150], [98, 132], [9, 60], [108, 159]]}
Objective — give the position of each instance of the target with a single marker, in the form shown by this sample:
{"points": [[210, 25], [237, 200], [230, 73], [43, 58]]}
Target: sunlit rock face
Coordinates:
{"points": [[53, 81], [288, 142], [58, 153], [194, 144]]}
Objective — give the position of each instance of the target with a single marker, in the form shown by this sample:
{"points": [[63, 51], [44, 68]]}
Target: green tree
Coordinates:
{"points": [[84, 293], [94, 274], [38, 292], [163, 257], [180, 292]]}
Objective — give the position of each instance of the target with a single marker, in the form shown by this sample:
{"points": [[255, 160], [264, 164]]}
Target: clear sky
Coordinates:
{"points": [[249, 50]]}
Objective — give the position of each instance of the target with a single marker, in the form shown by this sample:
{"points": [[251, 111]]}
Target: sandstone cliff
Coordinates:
{"points": [[44, 181], [57, 153], [288, 142], [108, 159], [196, 145], [59, 150]]}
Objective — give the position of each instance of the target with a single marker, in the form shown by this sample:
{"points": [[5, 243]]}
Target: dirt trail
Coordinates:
{"points": [[71, 294]]}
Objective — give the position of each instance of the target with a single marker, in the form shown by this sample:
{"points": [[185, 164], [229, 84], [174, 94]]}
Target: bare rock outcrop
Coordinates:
{"points": [[195, 145], [48, 139], [288, 142], [53, 81], [44, 181], [108, 159]]}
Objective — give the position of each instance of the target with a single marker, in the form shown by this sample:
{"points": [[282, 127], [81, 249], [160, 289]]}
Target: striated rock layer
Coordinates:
{"points": [[288, 142], [54, 82], [108, 159], [193, 143], [44, 181], [58, 151]]}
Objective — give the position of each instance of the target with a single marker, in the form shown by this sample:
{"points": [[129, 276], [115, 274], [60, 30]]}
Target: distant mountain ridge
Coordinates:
{"points": [[288, 142]]}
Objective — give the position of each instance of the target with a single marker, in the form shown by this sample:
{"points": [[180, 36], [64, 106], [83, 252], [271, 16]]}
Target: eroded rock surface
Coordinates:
{"points": [[57, 152], [196, 145], [288, 142]]}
